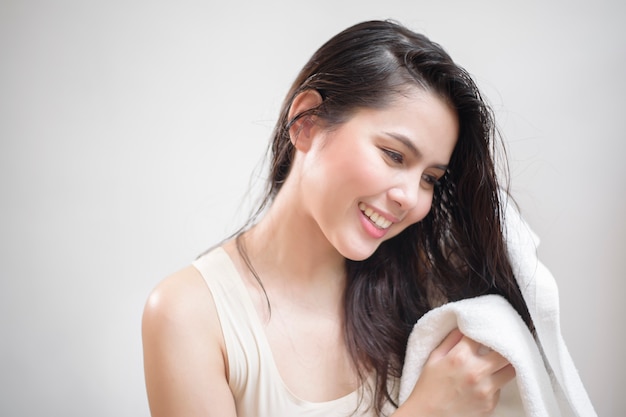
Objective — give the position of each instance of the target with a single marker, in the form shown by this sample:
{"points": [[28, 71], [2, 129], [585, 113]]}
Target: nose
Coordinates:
{"points": [[405, 194]]}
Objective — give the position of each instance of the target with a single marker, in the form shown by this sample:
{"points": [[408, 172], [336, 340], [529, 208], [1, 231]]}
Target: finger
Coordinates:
{"points": [[496, 360], [483, 350], [503, 376], [449, 342], [477, 348]]}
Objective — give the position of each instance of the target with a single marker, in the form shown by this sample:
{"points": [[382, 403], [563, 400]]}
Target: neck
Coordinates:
{"points": [[287, 250]]}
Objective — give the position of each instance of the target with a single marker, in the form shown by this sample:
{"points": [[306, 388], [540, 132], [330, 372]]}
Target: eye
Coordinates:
{"points": [[430, 181], [394, 156]]}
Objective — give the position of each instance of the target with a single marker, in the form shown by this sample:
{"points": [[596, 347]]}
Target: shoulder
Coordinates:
{"points": [[184, 355], [185, 297], [182, 299], [180, 309]]}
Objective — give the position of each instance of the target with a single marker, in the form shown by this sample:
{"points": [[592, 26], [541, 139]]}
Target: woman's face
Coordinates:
{"points": [[369, 178]]}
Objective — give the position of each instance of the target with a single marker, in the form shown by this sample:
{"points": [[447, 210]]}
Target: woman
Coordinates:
{"points": [[382, 204]]}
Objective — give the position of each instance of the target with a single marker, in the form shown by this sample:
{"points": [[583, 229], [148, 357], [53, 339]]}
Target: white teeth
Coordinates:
{"points": [[376, 218], [383, 223]]}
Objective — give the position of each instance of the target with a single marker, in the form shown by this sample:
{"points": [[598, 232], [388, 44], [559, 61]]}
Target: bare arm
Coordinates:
{"points": [[184, 356], [459, 378]]}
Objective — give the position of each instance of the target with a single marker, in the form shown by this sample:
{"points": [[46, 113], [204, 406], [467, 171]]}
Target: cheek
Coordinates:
{"points": [[416, 215], [358, 174], [424, 207], [421, 210]]}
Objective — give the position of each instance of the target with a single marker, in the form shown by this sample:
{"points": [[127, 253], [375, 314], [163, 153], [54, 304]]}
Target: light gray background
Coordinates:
{"points": [[129, 131]]}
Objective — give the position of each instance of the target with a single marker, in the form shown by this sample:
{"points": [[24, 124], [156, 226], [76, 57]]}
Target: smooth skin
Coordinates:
{"points": [[386, 160]]}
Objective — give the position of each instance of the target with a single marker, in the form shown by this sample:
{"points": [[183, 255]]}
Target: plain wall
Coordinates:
{"points": [[129, 131]]}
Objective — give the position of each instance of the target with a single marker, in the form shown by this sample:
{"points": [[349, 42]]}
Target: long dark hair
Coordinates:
{"points": [[458, 250]]}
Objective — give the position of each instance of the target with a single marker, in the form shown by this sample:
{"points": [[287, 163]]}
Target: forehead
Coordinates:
{"points": [[421, 116]]}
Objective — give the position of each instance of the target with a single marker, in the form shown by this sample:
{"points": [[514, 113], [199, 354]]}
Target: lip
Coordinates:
{"points": [[372, 230], [369, 227]]}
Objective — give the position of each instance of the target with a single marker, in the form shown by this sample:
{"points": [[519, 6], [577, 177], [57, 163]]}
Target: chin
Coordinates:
{"points": [[358, 255]]}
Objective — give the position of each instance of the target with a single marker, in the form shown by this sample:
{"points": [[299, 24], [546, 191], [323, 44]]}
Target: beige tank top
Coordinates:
{"points": [[254, 380]]}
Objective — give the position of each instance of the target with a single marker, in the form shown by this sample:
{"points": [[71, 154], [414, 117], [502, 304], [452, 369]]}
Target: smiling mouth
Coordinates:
{"points": [[378, 220]]}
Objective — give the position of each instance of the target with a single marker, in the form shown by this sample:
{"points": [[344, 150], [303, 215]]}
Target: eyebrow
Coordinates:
{"points": [[416, 152]]}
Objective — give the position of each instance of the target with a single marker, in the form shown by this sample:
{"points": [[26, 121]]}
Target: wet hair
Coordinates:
{"points": [[457, 251]]}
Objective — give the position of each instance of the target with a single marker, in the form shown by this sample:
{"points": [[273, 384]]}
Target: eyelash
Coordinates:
{"points": [[431, 180], [396, 157]]}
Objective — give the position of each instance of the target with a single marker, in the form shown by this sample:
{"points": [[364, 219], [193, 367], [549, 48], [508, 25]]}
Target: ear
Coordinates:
{"points": [[303, 130]]}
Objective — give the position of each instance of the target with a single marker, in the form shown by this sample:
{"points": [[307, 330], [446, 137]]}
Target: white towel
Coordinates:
{"points": [[547, 383]]}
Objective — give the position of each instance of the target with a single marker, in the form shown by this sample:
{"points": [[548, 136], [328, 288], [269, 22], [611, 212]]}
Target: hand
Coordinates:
{"points": [[460, 378]]}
